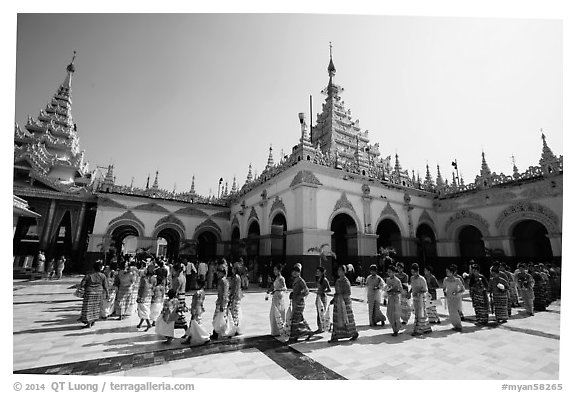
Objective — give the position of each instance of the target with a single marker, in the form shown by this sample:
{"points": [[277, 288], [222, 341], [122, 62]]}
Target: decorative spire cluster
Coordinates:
{"points": [[50, 144]]}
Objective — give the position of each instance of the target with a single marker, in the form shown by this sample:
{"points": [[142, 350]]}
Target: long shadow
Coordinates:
{"points": [[96, 330], [76, 300], [48, 330]]}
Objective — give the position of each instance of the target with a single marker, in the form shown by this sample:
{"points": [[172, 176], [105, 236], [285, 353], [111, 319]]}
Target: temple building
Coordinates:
{"points": [[333, 191]]}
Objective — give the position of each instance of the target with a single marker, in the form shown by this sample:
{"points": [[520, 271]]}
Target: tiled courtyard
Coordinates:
{"points": [[49, 340]]}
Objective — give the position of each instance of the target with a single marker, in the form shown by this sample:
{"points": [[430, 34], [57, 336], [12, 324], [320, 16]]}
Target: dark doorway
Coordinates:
{"points": [[26, 241], [389, 236], [471, 243], [172, 238], [235, 243], [531, 240], [278, 238], [426, 242], [207, 246], [62, 245], [344, 241]]}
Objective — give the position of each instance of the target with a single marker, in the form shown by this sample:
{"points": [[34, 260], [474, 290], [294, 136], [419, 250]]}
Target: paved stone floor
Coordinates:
{"points": [[47, 339]]}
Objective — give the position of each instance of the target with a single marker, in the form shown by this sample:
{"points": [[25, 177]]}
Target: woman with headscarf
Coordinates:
{"points": [[277, 306], [374, 286], [453, 289], [157, 301], [196, 334], [123, 282], [323, 287], [479, 294], [419, 290], [344, 325], [540, 289], [95, 288], [498, 288], [235, 297], [298, 327], [107, 308], [405, 296], [393, 290], [221, 310], [179, 285], [432, 297], [525, 288], [144, 299]]}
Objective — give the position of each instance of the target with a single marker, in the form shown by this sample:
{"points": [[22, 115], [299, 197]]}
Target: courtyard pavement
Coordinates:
{"points": [[47, 339]]}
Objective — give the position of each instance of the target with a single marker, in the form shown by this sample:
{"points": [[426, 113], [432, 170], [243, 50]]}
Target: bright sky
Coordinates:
{"points": [[205, 94]]}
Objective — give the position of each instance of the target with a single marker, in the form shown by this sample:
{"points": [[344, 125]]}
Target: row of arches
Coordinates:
{"points": [[168, 244], [529, 238]]}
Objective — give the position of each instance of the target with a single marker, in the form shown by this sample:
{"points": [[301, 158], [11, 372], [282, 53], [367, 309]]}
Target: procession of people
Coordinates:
{"points": [[156, 291]]}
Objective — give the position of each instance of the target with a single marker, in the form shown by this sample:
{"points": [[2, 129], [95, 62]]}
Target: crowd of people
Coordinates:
{"points": [[156, 290]]}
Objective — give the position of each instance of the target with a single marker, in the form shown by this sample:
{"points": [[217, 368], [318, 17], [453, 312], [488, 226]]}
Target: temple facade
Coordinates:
{"points": [[333, 192]]}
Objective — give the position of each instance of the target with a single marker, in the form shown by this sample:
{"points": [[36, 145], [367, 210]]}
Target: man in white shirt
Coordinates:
{"points": [[202, 270]]}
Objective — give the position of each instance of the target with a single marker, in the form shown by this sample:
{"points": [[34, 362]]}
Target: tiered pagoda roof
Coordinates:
{"points": [[47, 150], [337, 141]]}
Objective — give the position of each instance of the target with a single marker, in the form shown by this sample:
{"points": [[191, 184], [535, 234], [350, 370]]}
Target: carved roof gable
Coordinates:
{"points": [[191, 211], [425, 217], [389, 211], [343, 203], [109, 202], [152, 207], [253, 213], [129, 216], [224, 215], [169, 219], [306, 177], [277, 204]]}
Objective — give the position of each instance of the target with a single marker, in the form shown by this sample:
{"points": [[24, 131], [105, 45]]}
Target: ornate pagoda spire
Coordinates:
{"points": [[234, 186], [454, 183], [428, 183], [270, 162], [515, 173], [249, 176], [549, 163], [225, 189], [155, 184], [485, 178], [336, 130], [439, 179], [50, 144], [397, 166], [148, 182], [192, 187]]}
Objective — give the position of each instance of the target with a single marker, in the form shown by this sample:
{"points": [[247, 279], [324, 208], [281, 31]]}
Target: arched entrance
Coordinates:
{"points": [[172, 238], [389, 236], [471, 243], [207, 246], [531, 241], [426, 243], [119, 234], [235, 243], [344, 241], [278, 238], [253, 251]]}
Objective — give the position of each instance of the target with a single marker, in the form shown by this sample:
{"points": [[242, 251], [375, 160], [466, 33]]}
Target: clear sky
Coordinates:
{"points": [[205, 94]]}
